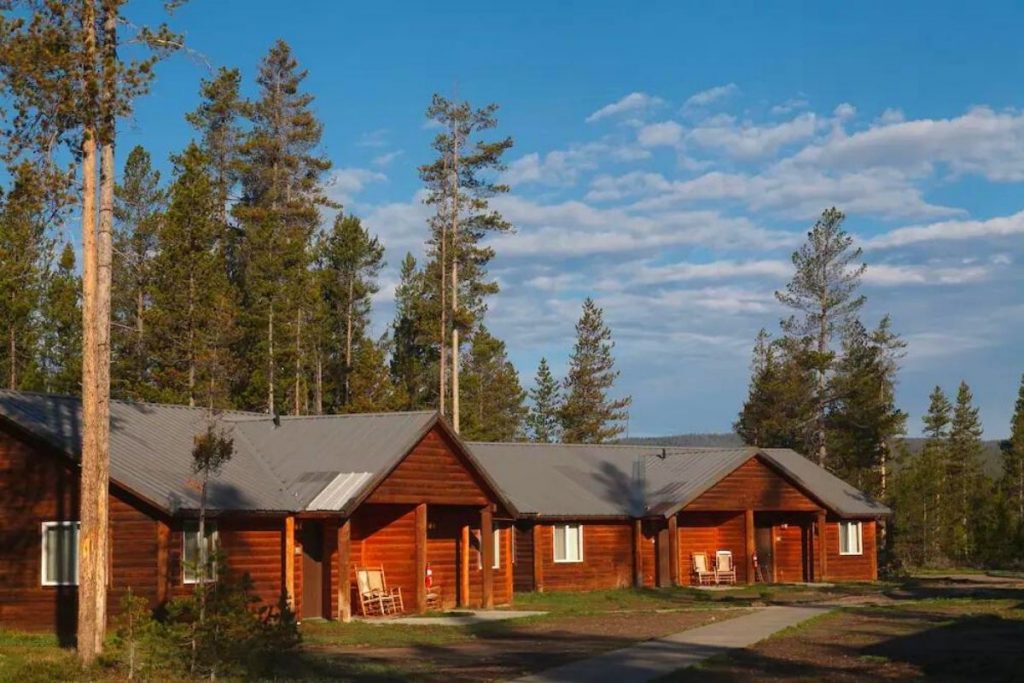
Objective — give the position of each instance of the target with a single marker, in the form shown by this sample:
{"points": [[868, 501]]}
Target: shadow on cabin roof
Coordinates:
{"points": [[579, 480], [301, 464]]}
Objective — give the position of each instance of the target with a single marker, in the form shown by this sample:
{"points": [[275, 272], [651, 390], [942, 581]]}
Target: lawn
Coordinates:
{"points": [[920, 627], [950, 639]]}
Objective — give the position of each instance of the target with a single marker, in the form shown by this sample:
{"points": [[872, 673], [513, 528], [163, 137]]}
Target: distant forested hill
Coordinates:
{"points": [[992, 457]]}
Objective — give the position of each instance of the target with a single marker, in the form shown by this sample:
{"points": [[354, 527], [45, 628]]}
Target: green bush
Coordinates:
{"points": [[220, 630]]}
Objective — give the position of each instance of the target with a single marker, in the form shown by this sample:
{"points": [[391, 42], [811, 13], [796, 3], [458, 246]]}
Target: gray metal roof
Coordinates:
{"points": [[299, 464], [836, 494], [320, 458], [329, 463], [579, 480], [151, 451]]}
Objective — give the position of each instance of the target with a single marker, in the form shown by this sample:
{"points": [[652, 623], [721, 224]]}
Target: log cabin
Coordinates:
{"points": [[302, 504], [305, 501], [607, 516]]}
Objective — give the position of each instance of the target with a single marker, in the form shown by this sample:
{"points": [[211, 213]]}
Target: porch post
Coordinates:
{"points": [[538, 559], [421, 557], [464, 566], [163, 538], [344, 571], [748, 525], [289, 560], [487, 546], [638, 553], [821, 547], [673, 549]]}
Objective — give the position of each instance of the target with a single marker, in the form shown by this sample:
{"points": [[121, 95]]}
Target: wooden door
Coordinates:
{"points": [[765, 552], [312, 570]]}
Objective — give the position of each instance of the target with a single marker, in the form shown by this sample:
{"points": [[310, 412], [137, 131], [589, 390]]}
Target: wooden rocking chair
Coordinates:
{"points": [[375, 598], [703, 575], [725, 570]]}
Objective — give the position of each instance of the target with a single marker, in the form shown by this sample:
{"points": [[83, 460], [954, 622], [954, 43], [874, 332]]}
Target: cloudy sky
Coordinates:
{"points": [[667, 162]]}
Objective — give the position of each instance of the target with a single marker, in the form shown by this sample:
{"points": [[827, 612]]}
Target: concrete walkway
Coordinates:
{"points": [[655, 658], [459, 618]]}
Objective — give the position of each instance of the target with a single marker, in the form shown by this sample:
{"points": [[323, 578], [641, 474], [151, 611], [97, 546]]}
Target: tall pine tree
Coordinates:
{"points": [[493, 398], [588, 414], [823, 292], [964, 473], [25, 253], [863, 418], [281, 174], [778, 411], [61, 329], [459, 187], [138, 209], [350, 260], [193, 310], [413, 352], [1013, 467], [542, 420]]}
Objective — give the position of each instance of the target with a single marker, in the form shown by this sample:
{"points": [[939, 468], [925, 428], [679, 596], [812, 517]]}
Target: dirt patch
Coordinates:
{"points": [[953, 640], [507, 649]]}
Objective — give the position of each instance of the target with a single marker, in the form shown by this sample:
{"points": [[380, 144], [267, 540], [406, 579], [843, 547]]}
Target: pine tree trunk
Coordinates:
{"points": [[298, 362], [191, 340], [455, 280], [348, 340], [140, 355], [319, 400], [91, 561], [822, 387], [270, 361], [13, 352], [442, 389]]}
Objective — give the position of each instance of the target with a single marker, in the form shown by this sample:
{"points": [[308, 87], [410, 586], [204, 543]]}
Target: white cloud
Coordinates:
{"points": [[374, 138], [789, 106], [982, 142], [345, 183], [386, 158], [844, 111], [1001, 226], [706, 97], [884, 275], [647, 274], [891, 115], [750, 141], [633, 102], [664, 134]]}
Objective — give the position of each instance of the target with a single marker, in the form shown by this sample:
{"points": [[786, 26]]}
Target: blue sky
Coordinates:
{"points": [[667, 161]]}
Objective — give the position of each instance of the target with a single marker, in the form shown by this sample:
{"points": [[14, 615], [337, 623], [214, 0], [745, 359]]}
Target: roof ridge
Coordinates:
{"points": [[623, 446], [132, 402], [283, 488], [290, 418]]}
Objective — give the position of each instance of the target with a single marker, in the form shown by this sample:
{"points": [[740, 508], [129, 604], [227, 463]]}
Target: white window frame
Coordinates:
{"points": [[578, 530], [214, 544], [44, 552], [497, 549], [846, 532]]}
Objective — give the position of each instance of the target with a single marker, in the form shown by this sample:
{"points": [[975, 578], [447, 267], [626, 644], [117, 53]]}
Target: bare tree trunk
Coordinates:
{"points": [[13, 351], [270, 361], [191, 340], [455, 278], [91, 551], [140, 354], [822, 386], [348, 339], [298, 362], [442, 388], [319, 397]]}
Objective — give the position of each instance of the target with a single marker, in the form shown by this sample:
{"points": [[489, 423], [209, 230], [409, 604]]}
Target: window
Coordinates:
{"points": [[851, 538], [497, 549], [190, 551], [60, 554], [568, 543]]}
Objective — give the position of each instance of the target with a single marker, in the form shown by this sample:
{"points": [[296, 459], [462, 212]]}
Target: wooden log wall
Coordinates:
{"points": [[607, 558]]}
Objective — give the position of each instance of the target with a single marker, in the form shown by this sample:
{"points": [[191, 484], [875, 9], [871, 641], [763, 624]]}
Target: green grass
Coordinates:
{"points": [[363, 634], [32, 658]]}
